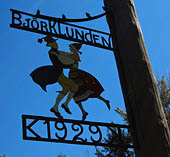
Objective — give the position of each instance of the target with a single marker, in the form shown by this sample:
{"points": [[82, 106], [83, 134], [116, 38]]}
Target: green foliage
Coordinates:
{"points": [[113, 137], [61, 155], [164, 90], [122, 114]]}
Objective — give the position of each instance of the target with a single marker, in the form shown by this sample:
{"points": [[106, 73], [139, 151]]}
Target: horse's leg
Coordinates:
{"points": [[83, 111], [105, 101]]}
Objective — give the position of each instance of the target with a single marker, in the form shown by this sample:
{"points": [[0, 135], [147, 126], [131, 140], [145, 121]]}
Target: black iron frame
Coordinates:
{"points": [[60, 21], [77, 126], [116, 129]]}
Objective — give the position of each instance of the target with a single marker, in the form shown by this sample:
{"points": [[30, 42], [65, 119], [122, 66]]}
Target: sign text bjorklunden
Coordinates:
{"points": [[60, 29]]}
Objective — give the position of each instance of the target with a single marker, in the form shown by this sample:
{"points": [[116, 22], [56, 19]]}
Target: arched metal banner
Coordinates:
{"points": [[60, 28]]}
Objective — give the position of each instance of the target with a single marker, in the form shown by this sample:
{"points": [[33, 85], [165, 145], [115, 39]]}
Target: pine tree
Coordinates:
{"points": [[61, 155], [163, 84], [164, 90]]}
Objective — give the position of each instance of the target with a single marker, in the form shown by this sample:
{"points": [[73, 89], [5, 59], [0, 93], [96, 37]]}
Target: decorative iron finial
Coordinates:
{"points": [[38, 12], [63, 16], [88, 15], [104, 8]]}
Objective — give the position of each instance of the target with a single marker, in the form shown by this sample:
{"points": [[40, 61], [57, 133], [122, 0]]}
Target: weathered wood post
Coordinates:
{"points": [[142, 100]]}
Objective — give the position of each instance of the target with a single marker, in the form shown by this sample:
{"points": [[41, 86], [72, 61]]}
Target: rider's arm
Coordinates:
{"points": [[73, 56]]}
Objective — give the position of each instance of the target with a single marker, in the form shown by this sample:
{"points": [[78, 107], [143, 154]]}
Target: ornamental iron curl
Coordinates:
{"points": [[69, 127]]}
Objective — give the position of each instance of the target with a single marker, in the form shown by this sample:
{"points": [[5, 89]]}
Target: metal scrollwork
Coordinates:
{"points": [[63, 128], [76, 137], [95, 132]]}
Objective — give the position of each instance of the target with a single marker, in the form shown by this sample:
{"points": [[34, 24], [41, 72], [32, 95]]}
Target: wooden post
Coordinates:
{"points": [[142, 100]]}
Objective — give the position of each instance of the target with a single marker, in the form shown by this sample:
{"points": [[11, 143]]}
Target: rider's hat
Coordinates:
{"points": [[47, 38], [76, 46]]}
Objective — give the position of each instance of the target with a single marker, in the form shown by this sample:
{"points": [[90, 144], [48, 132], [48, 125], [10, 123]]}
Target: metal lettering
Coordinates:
{"points": [[52, 27], [44, 25], [35, 24], [72, 32], [27, 24], [79, 35], [88, 37], [80, 129], [95, 38], [14, 18], [65, 129], [105, 42], [48, 128], [60, 29], [95, 132], [31, 130]]}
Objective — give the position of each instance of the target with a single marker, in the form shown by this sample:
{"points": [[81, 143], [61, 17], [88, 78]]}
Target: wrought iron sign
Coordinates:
{"points": [[59, 27], [79, 85], [61, 127]]}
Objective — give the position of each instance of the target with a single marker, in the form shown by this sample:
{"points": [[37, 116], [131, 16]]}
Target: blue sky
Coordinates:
{"points": [[21, 54]]}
